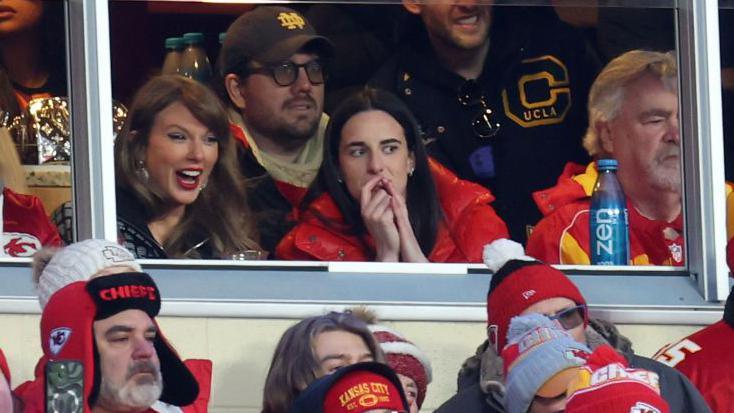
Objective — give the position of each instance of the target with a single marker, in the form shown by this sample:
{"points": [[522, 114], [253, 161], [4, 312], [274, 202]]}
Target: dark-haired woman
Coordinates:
{"points": [[378, 196], [179, 194]]}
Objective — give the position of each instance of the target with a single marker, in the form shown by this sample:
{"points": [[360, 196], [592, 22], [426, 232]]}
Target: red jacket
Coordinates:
{"points": [[562, 236], [26, 228], [705, 357], [470, 224]]}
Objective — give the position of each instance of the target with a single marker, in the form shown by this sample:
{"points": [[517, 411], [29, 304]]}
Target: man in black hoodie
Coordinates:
{"points": [[521, 285], [500, 93]]}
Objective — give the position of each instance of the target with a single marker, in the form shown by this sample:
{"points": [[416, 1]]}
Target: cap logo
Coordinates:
{"points": [[527, 294], [115, 254], [291, 21], [58, 337], [18, 244], [641, 407], [616, 372], [128, 291], [365, 394]]}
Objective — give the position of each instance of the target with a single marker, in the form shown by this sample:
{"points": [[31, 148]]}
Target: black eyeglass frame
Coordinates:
{"points": [[564, 316], [484, 126], [271, 69]]}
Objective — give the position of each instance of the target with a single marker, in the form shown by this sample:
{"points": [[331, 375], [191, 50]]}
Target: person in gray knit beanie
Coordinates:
{"points": [[55, 268], [540, 359]]}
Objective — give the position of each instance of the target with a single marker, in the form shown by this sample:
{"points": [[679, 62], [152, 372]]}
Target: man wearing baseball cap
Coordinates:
{"points": [[358, 388], [272, 66], [705, 357], [521, 285], [99, 309]]}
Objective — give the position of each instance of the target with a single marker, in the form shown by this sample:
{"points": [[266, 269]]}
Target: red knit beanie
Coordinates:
{"points": [[519, 281], [613, 387], [405, 358]]}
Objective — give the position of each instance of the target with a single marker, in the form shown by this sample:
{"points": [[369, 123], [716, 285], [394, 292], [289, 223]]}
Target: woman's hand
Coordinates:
{"points": [[410, 250], [379, 219]]}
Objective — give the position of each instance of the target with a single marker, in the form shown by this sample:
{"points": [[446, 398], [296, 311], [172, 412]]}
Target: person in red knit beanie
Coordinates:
{"points": [[522, 285], [607, 385], [409, 362]]}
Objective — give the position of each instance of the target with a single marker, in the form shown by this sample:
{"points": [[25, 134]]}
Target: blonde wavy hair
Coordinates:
{"points": [[607, 92]]}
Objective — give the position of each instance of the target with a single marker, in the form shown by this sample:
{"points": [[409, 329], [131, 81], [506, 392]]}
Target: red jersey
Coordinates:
{"points": [[706, 358]]}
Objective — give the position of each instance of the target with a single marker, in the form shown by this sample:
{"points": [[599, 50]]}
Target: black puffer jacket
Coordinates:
{"points": [[480, 387]]}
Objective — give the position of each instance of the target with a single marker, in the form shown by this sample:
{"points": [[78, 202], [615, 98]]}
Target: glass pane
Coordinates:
{"points": [[500, 97], [34, 126], [726, 45]]}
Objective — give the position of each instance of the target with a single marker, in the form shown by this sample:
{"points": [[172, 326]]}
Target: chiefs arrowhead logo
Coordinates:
{"points": [[57, 339], [641, 407], [18, 244]]}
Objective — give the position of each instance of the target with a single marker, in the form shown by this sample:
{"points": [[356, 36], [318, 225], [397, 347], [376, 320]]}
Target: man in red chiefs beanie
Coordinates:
{"points": [[706, 356], [522, 285], [104, 317], [607, 385]]}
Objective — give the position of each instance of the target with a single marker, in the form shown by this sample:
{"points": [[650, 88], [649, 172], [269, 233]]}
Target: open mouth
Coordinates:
{"points": [[468, 20], [188, 179]]}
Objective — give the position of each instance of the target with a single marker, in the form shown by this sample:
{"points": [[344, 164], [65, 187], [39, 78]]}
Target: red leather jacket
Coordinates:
{"points": [[470, 223]]}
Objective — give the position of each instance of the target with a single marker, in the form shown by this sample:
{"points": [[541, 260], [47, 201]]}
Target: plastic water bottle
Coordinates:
{"points": [[172, 62], [609, 219], [194, 62]]}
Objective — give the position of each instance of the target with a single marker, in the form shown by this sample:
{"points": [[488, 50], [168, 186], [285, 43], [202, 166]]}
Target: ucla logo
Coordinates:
{"points": [[291, 21], [541, 97]]}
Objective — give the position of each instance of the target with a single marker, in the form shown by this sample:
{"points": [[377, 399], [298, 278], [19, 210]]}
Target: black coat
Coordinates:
{"points": [[531, 51]]}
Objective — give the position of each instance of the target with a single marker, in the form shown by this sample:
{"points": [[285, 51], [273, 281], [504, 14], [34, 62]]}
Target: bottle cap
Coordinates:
{"points": [[221, 37], [193, 38], [606, 164], [174, 43]]}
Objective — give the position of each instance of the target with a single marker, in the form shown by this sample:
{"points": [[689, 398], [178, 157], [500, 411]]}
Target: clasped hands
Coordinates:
{"points": [[385, 215]]}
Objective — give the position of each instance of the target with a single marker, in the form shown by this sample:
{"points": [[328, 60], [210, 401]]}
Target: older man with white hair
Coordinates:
{"points": [[633, 118]]}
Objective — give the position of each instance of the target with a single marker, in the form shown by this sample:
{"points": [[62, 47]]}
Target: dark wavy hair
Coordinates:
{"points": [[294, 365], [230, 229], [424, 209]]}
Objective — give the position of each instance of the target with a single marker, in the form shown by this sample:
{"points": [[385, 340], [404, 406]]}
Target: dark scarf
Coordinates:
{"points": [[729, 310]]}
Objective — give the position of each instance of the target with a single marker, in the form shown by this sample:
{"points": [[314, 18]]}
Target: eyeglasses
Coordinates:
{"points": [[286, 73], [570, 317], [483, 124]]}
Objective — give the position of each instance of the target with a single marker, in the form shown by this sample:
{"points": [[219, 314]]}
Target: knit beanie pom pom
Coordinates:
{"points": [[497, 253]]}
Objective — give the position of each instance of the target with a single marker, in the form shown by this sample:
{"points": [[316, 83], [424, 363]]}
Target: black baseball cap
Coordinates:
{"points": [[269, 34]]}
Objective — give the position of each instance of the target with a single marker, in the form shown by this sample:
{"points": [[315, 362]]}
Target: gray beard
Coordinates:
{"points": [[130, 395]]}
